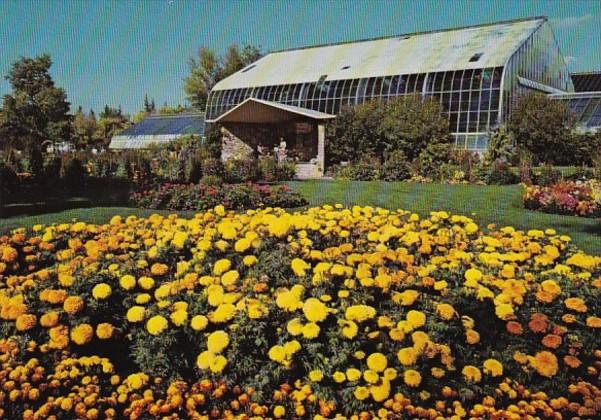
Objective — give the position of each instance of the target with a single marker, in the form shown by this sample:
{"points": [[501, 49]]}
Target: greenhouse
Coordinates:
{"points": [[476, 73], [158, 130]]}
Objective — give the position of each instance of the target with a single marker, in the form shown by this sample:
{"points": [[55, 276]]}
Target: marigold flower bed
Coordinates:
{"points": [[358, 312]]}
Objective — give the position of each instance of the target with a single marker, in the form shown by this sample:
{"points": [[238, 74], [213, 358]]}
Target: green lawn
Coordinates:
{"points": [[486, 204]]}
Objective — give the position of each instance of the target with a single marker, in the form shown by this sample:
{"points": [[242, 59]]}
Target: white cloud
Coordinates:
{"points": [[571, 21]]}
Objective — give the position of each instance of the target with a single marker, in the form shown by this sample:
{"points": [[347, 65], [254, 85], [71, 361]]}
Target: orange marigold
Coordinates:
{"points": [[545, 363], [514, 327], [575, 304], [73, 304], [82, 334], [538, 323], [552, 341], [593, 322], [572, 361], [26, 322]]}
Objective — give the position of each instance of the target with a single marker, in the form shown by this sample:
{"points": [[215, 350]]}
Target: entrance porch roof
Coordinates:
{"points": [[254, 110]]}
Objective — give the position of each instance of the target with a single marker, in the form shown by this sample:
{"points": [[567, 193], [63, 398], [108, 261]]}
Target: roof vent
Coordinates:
{"points": [[249, 68], [345, 67], [476, 57]]}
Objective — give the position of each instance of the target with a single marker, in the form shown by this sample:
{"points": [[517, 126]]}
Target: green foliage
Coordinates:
{"points": [[501, 146], [74, 174], [501, 174], [272, 171], [208, 68], [432, 156], [241, 170], [547, 175], [541, 126], [406, 123], [36, 110], [211, 180], [395, 167]]}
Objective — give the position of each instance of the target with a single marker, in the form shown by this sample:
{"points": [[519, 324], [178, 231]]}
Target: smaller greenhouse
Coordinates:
{"points": [[158, 130]]}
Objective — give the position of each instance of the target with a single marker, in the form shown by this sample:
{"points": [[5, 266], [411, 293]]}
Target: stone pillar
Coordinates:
{"points": [[321, 147]]}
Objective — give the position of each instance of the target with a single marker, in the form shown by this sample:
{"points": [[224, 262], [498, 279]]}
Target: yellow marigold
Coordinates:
{"points": [[316, 375], [575, 304], [156, 325], [25, 322], [230, 278], [381, 391], [204, 359], [350, 329], [311, 330], [416, 319], [135, 314], [504, 311], [104, 330], [127, 282], [65, 279], [136, 381], [279, 227], [493, 367], [299, 267], [291, 347], [294, 327], [221, 266], [101, 291], [82, 334], [437, 372], [218, 364], [339, 377], [445, 311], [218, 341], [199, 322], [407, 356], [146, 283], [315, 310], [159, 269], [179, 317], [370, 376], [73, 304], [545, 363], [472, 277], [471, 373], [353, 374], [223, 313], [279, 411], [249, 260], [277, 353], [405, 298], [377, 362], [412, 378], [359, 313], [49, 319], [361, 393]]}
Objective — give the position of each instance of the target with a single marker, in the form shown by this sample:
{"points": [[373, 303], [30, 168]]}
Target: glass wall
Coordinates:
{"points": [[470, 98], [586, 108]]}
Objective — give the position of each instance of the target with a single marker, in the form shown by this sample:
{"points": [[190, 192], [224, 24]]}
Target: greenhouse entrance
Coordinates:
{"points": [[270, 130]]}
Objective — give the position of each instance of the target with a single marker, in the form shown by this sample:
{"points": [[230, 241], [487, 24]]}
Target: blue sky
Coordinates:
{"points": [[113, 52]]}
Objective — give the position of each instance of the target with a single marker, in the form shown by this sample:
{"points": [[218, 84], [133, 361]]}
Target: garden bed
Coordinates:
{"points": [[330, 310], [201, 197], [568, 198]]}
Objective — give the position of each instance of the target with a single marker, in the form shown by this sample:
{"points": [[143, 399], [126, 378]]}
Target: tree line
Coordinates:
{"points": [[37, 113]]}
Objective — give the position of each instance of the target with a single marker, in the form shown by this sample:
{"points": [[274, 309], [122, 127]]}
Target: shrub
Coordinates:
{"points": [[203, 196], [212, 166], [547, 175], [432, 156], [395, 167], [8, 179], [74, 175], [272, 171], [241, 170], [195, 172], [501, 174], [52, 171], [211, 180], [501, 146], [365, 169]]}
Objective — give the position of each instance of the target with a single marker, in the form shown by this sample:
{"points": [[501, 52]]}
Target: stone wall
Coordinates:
{"points": [[232, 147]]}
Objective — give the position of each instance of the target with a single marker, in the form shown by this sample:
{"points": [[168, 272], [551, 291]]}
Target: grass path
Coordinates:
{"points": [[501, 205]]}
